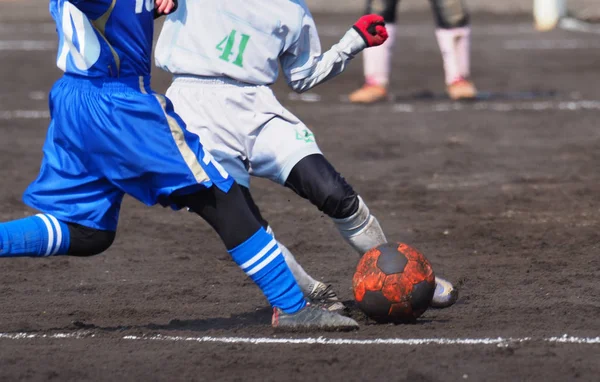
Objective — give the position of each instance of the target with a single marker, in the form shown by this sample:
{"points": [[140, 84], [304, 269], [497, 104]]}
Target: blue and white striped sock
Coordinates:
{"points": [[39, 235], [260, 257]]}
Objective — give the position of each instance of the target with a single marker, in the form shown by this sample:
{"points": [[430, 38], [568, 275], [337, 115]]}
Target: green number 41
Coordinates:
{"points": [[226, 46]]}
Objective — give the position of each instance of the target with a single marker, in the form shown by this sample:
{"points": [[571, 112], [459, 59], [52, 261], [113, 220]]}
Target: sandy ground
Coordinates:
{"points": [[501, 194]]}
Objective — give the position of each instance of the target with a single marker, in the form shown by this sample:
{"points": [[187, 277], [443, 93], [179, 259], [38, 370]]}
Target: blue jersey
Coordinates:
{"points": [[104, 38], [110, 134]]}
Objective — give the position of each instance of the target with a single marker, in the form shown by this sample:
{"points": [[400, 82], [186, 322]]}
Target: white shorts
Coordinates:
{"points": [[243, 126]]}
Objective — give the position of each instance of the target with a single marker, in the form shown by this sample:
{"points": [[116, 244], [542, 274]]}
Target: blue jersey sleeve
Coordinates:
{"points": [[104, 38]]}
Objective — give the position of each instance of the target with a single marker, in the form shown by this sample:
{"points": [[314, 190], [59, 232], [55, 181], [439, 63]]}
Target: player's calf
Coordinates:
{"points": [[315, 179], [39, 235], [45, 235], [315, 291], [258, 254]]}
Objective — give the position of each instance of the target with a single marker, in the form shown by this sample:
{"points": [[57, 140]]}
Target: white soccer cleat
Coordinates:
{"points": [[445, 294], [312, 318], [324, 296]]}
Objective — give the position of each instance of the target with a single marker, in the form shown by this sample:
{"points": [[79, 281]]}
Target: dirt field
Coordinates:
{"points": [[502, 194]]}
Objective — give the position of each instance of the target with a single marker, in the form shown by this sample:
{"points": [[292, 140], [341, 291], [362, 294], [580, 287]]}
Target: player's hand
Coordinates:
{"points": [[372, 29], [164, 7]]}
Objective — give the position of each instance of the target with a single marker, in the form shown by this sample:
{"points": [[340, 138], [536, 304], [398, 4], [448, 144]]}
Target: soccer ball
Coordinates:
{"points": [[393, 283]]}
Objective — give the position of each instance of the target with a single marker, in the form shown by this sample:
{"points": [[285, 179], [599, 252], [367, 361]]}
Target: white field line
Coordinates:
{"points": [[564, 44], [499, 341], [428, 30], [29, 336], [334, 341], [499, 106], [575, 25], [565, 339], [24, 114], [27, 45], [443, 107], [20, 28]]}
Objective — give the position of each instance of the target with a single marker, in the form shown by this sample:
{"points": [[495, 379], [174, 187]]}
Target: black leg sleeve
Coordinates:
{"points": [[449, 13], [315, 179], [228, 213], [384, 8], [253, 207]]}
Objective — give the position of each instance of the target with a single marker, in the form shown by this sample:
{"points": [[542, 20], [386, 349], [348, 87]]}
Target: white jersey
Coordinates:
{"points": [[246, 40]]}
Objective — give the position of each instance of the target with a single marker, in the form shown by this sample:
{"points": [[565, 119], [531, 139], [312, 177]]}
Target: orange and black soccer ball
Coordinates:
{"points": [[393, 283]]}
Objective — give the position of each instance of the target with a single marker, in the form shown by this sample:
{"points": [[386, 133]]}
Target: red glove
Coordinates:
{"points": [[372, 29]]}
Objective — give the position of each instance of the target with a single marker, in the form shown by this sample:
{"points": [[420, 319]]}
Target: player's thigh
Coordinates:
{"points": [[68, 186], [227, 212], [72, 194], [253, 207], [155, 156], [278, 146]]}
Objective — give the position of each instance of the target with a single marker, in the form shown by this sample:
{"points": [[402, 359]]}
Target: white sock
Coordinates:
{"points": [[455, 44], [463, 52], [304, 280], [377, 60], [361, 230]]}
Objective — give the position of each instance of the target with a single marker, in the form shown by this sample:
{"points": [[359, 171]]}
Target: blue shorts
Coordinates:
{"points": [[108, 138]]}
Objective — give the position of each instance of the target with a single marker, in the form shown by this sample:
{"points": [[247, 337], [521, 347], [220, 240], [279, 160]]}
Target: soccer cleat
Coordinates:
{"points": [[445, 294], [322, 295], [369, 94], [312, 318], [461, 89]]}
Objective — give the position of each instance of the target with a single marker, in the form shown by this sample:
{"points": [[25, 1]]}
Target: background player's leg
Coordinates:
{"points": [[453, 33], [377, 60]]}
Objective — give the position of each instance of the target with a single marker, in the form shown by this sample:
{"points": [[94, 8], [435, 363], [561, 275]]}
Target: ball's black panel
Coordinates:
{"points": [[399, 314], [375, 305], [421, 296], [391, 261]]}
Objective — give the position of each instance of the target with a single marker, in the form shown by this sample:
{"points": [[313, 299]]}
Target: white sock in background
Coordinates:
{"points": [[377, 60], [463, 52], [455, 45]]}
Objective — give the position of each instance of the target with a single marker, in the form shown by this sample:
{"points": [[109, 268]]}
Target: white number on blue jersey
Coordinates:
{"points": [[139, 5], [76, 24]]}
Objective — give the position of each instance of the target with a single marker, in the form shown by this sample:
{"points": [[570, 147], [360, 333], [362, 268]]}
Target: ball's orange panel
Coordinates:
{"points": [[416, 271], [367, 275], [396, 289], [410, 252]]}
